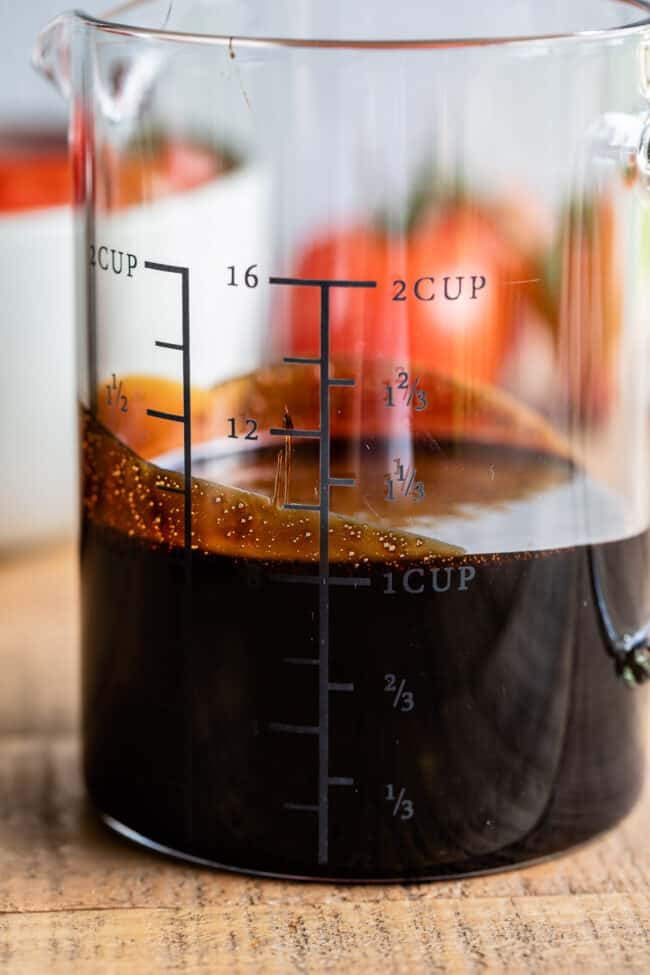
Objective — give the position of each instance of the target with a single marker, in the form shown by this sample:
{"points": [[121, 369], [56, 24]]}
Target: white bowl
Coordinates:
{"points": [[220, 223], [38, 486]]}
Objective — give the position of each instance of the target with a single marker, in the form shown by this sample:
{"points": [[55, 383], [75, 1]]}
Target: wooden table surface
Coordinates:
{"points": [[76, 899]]}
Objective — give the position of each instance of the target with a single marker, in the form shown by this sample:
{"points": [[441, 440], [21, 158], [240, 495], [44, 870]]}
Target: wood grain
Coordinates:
{"points": [[76, 899], [38, 641], [591, 934]]}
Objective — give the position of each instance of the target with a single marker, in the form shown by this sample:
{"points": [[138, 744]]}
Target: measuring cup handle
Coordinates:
{"points": [[629, 651], [625, 140]]}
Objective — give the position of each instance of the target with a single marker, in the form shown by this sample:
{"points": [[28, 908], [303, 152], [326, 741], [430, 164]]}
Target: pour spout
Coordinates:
{"points": [[51, 53]]}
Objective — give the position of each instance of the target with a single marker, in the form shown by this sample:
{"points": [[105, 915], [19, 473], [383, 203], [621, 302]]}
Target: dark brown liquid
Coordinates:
{"points": [[475, 717]]}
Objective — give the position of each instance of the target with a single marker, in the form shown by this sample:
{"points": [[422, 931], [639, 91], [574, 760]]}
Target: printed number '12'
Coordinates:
{"points": [[251, 435]]}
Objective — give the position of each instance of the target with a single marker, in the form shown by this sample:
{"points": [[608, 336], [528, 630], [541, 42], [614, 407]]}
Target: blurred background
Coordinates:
{"points": [[24, 98], [562, 239], [37, 394]]}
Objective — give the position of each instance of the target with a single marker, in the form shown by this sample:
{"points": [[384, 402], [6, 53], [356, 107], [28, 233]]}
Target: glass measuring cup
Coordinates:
{"points": [[363, 427]]}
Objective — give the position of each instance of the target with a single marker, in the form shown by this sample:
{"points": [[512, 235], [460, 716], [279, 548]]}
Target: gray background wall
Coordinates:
{"points": [[24, 97]]}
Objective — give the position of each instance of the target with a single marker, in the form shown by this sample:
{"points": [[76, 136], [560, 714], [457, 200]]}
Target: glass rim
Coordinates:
{"points": [[107, 23]]}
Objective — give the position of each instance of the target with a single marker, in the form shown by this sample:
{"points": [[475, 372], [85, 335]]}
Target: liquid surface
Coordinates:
{"points": [[476, 471], [475, 716]]}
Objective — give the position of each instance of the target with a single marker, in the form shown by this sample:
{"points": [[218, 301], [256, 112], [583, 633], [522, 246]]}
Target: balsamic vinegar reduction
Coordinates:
{"points": [[476, 719]]}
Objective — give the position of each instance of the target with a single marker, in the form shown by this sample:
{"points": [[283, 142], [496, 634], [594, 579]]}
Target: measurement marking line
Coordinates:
{"points": [[171, 268], [349, 581], [324, 580], [301, 661], [294, 506], [294, 729], [340, 780], [177, 418], [325, 284], [170, 345], [292, 432], [300, 807], [526, 281], [170, 489], [341, 687], [324, 589], [306, 580], [317, 580], [298, 360], [187, 414], [186, 419]]}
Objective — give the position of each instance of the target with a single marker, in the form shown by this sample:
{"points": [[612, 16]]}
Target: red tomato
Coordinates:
{"points": [[32, 177], [30, 181], [444, 298], [467, 327], [364, 322], [590, 308]]}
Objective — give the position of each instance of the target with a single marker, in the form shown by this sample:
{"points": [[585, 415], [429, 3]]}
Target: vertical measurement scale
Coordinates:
{"points": [[324, 579], [186, 417]]}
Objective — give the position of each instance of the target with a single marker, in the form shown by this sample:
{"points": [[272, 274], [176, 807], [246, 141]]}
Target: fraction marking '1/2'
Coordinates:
{"points": [[115, 397]]}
